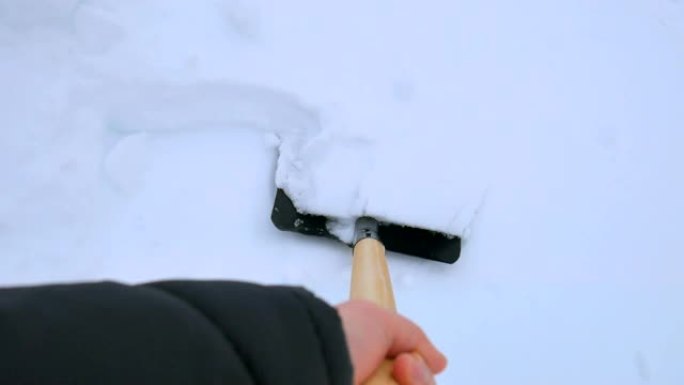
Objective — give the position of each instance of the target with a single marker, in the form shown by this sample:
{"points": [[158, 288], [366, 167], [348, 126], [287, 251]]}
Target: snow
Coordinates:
{"points": [[144, 140]]}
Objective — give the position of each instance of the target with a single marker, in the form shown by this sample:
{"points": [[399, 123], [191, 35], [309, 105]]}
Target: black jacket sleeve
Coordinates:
{"points": [[171, 332]]}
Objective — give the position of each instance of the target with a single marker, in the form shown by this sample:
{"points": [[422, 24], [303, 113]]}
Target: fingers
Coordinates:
{"points": [[408, 337], [410, 369], [374, 334]]}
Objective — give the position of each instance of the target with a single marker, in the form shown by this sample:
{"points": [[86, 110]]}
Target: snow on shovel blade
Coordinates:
{"points": [[413, 241]]}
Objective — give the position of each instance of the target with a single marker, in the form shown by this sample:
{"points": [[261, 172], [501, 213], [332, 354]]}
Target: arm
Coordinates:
{"points": [[170, 332]]}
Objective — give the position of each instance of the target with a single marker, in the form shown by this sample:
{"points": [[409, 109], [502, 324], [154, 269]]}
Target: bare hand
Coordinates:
{"points": [[374, 334]]}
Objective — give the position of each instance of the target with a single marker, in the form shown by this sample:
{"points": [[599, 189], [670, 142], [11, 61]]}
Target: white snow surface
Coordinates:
{"points": [[144, 140]]}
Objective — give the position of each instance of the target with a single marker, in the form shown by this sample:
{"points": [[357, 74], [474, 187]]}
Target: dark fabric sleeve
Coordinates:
{"points": [[175, 332]]}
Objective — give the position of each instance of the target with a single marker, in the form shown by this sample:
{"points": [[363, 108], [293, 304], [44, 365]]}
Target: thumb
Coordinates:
{"points": [[411, 369]]}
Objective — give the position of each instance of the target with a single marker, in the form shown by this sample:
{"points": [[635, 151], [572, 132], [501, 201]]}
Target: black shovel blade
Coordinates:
{"points": [[413, 241]]}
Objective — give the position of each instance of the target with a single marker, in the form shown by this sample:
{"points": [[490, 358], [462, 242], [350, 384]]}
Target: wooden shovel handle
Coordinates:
{"points": [[371, 282]]}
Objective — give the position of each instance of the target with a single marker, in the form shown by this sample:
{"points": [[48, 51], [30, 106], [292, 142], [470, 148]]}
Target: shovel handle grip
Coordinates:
{"points": [[371, 282], [370, 274]]}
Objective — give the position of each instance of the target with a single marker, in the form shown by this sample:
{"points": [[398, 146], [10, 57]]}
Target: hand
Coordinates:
{"points": [[374, 334]]}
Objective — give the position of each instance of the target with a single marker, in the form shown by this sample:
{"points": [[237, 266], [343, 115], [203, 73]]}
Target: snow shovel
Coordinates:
{"points": [[370, 275]]}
